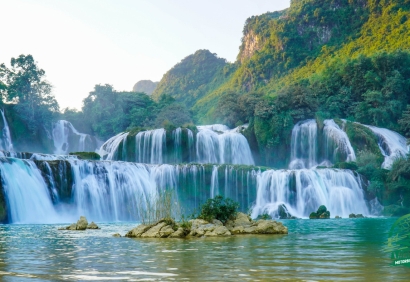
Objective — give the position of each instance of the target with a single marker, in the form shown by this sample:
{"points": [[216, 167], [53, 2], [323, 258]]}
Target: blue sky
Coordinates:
{"points": [[80, 43]]}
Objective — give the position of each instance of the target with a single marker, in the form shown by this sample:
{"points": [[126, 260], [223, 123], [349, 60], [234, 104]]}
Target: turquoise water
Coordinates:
{"points": [[314, 250]]}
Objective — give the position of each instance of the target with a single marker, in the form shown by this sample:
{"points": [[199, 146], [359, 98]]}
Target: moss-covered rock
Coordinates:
{"points": [[321, 213], [86, 155], [346, 165]]}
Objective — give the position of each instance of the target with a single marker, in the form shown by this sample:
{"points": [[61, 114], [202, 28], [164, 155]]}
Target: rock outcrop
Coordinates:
{"points": [[82, 224], [243, 224], [92, 225], [359, 215], [322, 213]]}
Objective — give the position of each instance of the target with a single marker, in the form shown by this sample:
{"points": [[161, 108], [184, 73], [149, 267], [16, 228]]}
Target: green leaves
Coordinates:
{"points": [[219, 208]]}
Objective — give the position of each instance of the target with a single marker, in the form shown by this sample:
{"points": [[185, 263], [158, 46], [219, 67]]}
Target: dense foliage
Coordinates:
{"points": [[193, 77], [220, 208], [107, 112], [24, 84]]}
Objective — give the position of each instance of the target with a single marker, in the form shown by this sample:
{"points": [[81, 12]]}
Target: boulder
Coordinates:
{"points": [[180, 233], [116, 235], [270, 227], [337, 216], [153, 231], [82, 223], [137, 231], [325, 214], [283, 213], [352, 215], [321, 213], [359, 215], [166, 231], [92, 225], [218, 231]]}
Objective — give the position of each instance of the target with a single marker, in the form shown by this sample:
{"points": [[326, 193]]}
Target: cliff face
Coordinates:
{"points": [[275, 43]]}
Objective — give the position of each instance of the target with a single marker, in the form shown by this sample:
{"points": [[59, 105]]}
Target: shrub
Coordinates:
{"points": [[219, 208]]}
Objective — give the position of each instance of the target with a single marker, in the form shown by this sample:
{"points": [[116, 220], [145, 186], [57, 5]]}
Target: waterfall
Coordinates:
{"points": [[6, 143], [304, 145], [67, 139], [337, 144], [392, 145], [108, 150], [306, 139], [213, 144], [151, 144], [303, 191], [217, 144], [27, 196]]}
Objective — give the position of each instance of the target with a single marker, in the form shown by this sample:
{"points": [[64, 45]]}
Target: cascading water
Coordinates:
{"points": [[304, 147], [67, 139], [392, 145], [5, 143], [310, 148], [111, 191], [151, 144], [336, 143], [213, 144], [303, 191], [27, 196], [219, 145]]}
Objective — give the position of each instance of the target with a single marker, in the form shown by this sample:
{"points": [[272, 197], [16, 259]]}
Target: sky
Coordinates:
{"points": [[81, 43]]}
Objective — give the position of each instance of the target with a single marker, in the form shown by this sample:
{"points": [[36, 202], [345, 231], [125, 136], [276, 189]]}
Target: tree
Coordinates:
{"points": [[27, 87]]}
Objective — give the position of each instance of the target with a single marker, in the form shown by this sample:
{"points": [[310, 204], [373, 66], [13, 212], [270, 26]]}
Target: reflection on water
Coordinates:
{"points": [[316, 250]]}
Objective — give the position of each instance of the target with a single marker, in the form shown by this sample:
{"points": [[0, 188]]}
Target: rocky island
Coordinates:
{"points": [[241, 225]]}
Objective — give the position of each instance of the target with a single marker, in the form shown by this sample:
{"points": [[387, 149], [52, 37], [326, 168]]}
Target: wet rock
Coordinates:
{"points": [[321, 213], [116, 235], [92, 225], [337, 216], [270, 227], [82, 223], [283, 213], [359, 215], [137, 231]]}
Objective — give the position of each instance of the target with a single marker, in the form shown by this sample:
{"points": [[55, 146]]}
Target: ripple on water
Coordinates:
{"points": [[334, 250]]}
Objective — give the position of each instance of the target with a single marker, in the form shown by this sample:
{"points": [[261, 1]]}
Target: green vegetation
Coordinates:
{"points": [[86, 155], [220, 208], [193, 77]]}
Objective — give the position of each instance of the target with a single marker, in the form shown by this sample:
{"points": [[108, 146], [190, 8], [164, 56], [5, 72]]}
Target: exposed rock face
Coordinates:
{"points": [[200, 228], [146, 86], [251, 43]]}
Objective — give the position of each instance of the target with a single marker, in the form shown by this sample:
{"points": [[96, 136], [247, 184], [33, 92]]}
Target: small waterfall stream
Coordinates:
{"points": [[67, 139], [6, 143]]}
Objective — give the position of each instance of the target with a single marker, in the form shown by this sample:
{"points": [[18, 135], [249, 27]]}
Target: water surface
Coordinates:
{"points": [[314, 250]]}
